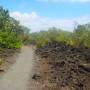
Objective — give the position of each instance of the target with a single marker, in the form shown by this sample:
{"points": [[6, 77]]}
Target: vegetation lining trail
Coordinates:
{"points": [[16, 78]]}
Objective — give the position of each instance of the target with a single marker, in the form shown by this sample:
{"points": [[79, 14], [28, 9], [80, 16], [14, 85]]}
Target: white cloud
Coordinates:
{"points": [[36, 23], [24, 17], [81, 1]]}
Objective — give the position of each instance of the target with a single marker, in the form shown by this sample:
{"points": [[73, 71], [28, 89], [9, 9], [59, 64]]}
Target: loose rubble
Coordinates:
{"points": [[63, 67]]}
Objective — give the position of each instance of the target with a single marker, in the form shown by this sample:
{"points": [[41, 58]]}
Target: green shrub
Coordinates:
{"points": [[80, 36], [9, 40]]}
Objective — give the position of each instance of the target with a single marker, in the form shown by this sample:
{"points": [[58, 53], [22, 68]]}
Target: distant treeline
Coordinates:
{"points": [[79, 37], [12, 34]]}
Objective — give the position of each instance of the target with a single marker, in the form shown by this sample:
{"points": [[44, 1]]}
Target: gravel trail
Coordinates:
{"points": [[16, 78]]}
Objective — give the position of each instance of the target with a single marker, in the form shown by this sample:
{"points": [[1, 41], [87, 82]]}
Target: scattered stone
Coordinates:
{"points": [[36, 77], [65, 66], [2, 70]]}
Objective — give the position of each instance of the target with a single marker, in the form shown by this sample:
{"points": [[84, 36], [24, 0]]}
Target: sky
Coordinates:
{"points": [[42, 14]]}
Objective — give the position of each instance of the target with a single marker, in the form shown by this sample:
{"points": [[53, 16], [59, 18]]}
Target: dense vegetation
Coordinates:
{"points": [[12, 34], [79, 37]]}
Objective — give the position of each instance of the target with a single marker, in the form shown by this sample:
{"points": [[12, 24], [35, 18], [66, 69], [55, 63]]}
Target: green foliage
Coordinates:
{"points": [[9, 40], [53, 34], [2, 61], [79, 37], [11, 32]]}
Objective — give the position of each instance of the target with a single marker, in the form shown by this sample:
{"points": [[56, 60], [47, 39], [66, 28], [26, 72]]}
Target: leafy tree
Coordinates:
{"points": [[11, 32]]}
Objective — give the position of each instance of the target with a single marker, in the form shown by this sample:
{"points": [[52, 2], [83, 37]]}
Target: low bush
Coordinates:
{"points": [[79, 37], [9, 40]]}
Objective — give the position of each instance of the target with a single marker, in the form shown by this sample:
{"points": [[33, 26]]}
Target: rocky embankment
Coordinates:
{"points": [[62, 67]]}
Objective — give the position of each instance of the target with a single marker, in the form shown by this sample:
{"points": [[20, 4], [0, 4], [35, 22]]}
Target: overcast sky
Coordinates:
{"points": [[41, 14]]}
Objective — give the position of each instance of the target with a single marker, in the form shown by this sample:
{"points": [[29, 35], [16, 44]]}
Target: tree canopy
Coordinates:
{"points": [[11, 30]]}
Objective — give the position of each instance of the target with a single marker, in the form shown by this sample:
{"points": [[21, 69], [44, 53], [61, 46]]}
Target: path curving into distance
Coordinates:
{"points": [[16, 78]]}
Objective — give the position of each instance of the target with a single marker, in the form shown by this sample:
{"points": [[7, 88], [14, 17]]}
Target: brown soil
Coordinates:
{"points": [[61, 67], [5, 53], [8, 58]]}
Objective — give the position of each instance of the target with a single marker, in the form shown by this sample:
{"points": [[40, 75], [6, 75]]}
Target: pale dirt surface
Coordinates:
{"points": [[16, 78]]}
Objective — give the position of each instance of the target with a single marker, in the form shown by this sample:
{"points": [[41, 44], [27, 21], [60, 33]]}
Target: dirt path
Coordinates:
{"points": [[16, 78]]}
